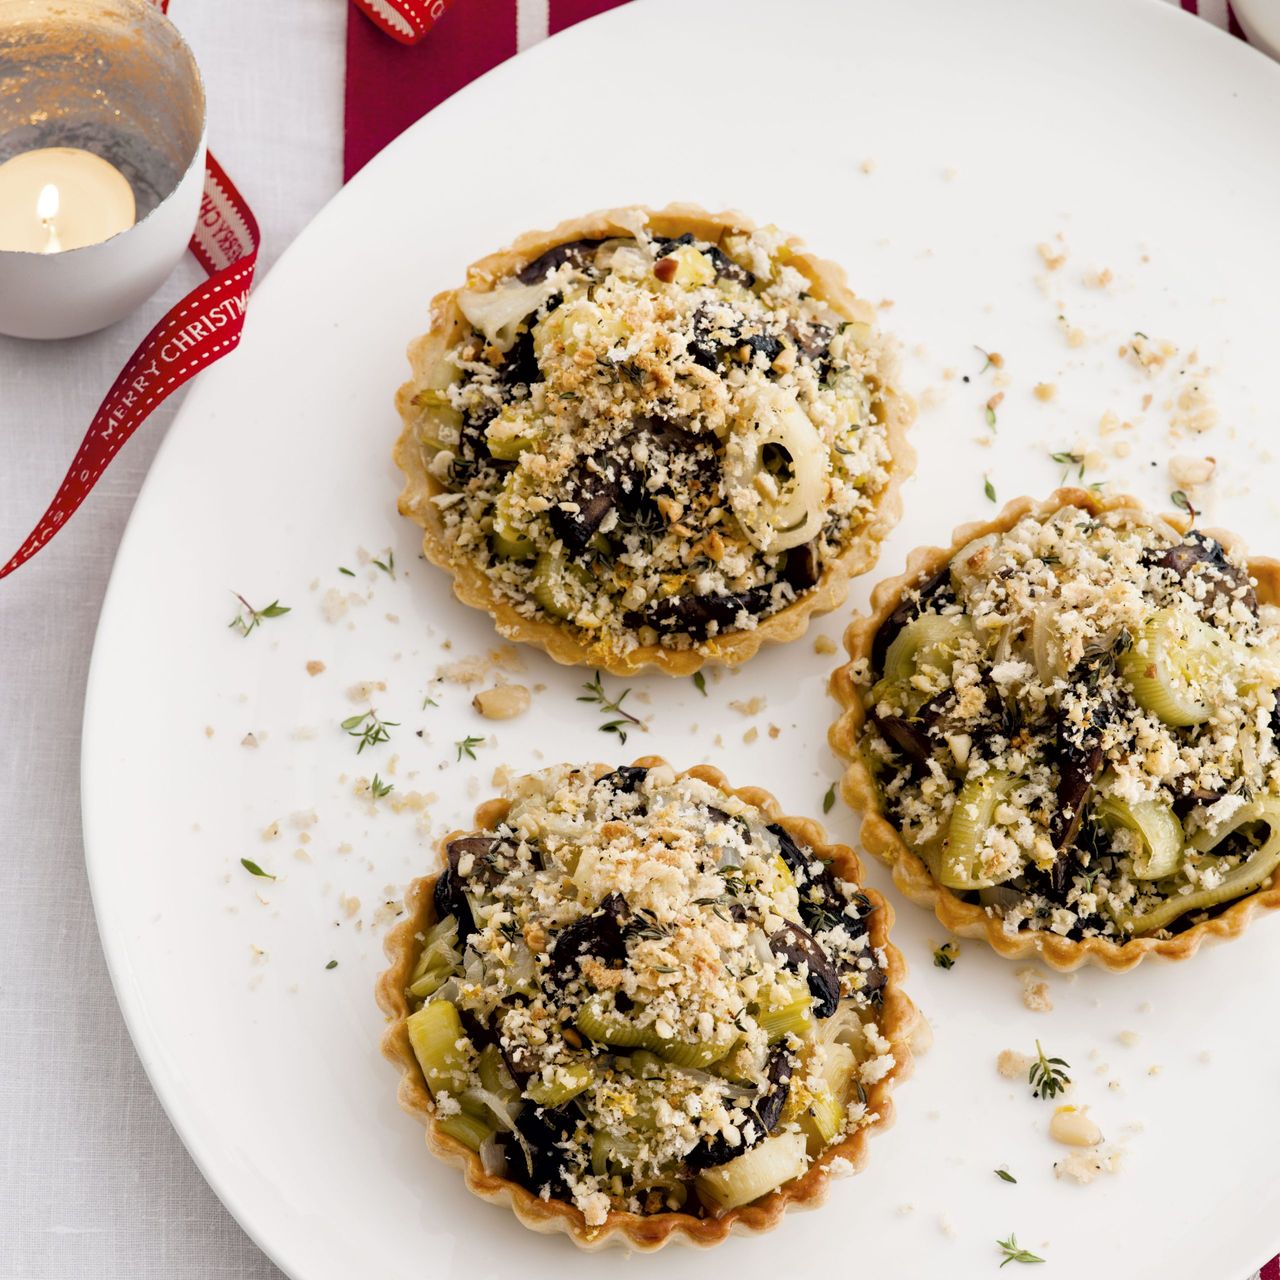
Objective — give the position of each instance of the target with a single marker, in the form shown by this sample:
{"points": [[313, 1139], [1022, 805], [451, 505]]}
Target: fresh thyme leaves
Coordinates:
{"points": [[829, 799], [248, 617], [254, 870], [945, 956], [388, 566], [378, 788], [349, 572], [991, 417], [1012, 1253], [467, 746], [333, 964], [988, 488], [369, 729], [700, 683], [1179, 499], [428, 701], [987, 361], [1048, 1076], [1004, 1175], [1069, 460], [595, 693]]}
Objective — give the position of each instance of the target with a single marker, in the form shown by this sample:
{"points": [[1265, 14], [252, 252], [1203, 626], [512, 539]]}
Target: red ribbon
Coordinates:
{"points": [[404, 20]]}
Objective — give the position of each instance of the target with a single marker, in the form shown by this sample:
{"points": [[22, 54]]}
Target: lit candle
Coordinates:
{"points": [[60, 198]]}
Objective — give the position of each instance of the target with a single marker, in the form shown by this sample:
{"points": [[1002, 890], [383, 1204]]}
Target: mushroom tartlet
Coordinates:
{"points": [[636, 1003], [1063, 732], [653, 438]]}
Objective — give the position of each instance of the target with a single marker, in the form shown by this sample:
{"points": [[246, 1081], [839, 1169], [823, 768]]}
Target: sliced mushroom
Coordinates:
{"points": [[1077, 770], [725, 267], [694, 615], [600, 935], [804, 566], [760, 1117], [538, 1163], [625, 779], [449, 900], [594, 490], [1200, 554], [798, 949], [777, 1074], [821, 901], [579, 253]]}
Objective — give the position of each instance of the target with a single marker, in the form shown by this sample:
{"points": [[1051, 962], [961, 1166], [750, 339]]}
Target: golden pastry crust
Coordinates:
{"points": [[897, 1020], [882, 839], [557, 640]]}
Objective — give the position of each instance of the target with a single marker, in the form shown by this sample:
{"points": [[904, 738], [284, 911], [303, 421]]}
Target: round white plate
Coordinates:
{"points": [[929, 146]]}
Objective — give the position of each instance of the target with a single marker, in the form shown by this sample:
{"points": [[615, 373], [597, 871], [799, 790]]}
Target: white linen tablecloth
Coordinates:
{"points": [[94, 1182]]}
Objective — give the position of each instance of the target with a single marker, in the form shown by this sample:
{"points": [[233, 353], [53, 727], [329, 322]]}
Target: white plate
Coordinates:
{"points": [[1143, 136]]}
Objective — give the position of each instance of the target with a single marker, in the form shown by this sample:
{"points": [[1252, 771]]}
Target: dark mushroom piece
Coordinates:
{"points": [[822, 906], [803, 567], [761, 1117], [725, 267], [625, 779], [599, 934], [909, 608], [449, 900], [520, 364], [581, 253], [594, 489], [482, 851], [813, 341], [694, 615], [537, 1162], [797, 948], [1206, 556]]}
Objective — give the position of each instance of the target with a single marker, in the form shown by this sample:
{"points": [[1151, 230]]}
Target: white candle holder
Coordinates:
{"points": [[112, 77]]}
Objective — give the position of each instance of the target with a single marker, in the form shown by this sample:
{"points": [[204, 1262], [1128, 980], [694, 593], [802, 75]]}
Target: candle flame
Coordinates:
{"points": [[48, 202]]}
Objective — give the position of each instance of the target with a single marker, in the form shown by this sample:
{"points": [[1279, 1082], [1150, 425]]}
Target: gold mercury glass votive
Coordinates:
{"points": [[102, 145]]}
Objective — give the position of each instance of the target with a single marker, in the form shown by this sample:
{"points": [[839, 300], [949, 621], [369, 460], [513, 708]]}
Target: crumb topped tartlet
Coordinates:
{"points": [[1063, 731], [653, 438], [638, 1004]]}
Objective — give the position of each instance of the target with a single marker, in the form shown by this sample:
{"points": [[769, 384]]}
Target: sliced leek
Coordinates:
{"points": [[822, 1121], [553, 578], [605, 1025], [512, 432], [440, 1045], [469, 1130], [1244, 878], [784, 508], [767, 1166], [509, 537], [961, 860], [500, 313], [931, 640], [1171, 661], [1157, 828], [566, 1083]]}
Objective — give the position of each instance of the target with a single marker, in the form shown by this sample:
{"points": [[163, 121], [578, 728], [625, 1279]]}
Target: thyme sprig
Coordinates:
{"points": [[700, 683], [247, 617], [378, 788], [466, 747], [254, 870], [1048, 1076], [388, 566], [1179, 499], [988, 488], [828, 801], [1067, 461], [595, 692], [369, 729], [1005, 1176], [1012, 1253]]}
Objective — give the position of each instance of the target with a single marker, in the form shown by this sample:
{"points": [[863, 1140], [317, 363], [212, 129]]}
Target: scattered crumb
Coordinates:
{"points": [[1193, 411], [1128, 1038], [749, 706], [1051, 257], [868, 166], [821, 644], [1035, 991], [1013, 1065], [1098, 279], [774, 731], [839, 1167], [1045, 391], [1084, 1166], [363, 690], [314, 667], [502, 702], [249, 740], [349, 904], [1154, 1069], [946, 1225], [271, 832], [751, 735], [208, 731]]}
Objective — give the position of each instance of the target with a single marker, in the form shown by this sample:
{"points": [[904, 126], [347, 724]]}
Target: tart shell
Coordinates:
{"points": [[883, 840], [559, 641], [896, 1022]]}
